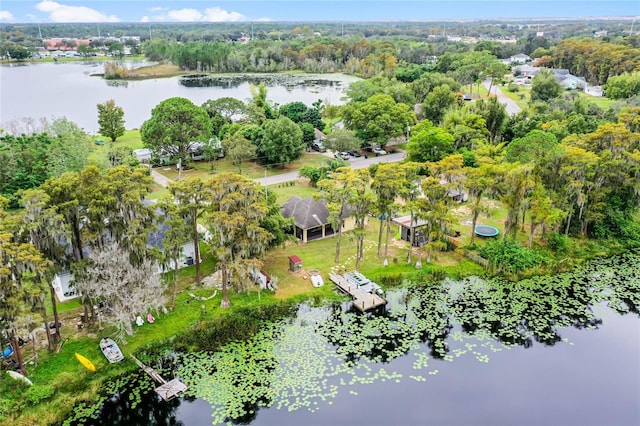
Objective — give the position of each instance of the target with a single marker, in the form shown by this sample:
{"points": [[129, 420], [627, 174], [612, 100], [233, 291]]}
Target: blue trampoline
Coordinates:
{"points": [[486, 231]]}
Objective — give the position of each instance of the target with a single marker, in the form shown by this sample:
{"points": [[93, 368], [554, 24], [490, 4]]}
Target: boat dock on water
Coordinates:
{"points": [[166, 390], [364, 291]]}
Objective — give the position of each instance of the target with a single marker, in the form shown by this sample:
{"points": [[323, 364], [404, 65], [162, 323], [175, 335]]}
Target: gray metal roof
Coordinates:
{"points": [[307, 212]]}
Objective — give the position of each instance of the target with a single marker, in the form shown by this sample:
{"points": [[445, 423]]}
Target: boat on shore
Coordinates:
{"points": [[364, 283], [111, 350], [316, 278], [18, 376]]}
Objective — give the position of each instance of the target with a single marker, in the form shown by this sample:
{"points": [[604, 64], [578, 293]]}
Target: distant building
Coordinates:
{"points": [[64, 44], [520, 58], [594, 90], [143, 155], [524, 70]]}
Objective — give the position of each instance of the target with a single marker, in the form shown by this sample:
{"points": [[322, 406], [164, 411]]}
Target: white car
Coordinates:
{"points": [[379, 151], [343, 155]]}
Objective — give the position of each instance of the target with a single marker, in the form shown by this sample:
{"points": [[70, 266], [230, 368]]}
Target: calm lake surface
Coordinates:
{"points": [[54, 90], [561, 350]]}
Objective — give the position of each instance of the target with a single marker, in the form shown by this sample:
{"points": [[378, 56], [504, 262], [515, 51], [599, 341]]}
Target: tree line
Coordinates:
{"points": [[96, 224]]}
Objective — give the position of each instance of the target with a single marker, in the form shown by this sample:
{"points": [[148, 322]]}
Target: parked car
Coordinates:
{"points": [[344, 155], [379, 151], [318, 146], [354, 153]]}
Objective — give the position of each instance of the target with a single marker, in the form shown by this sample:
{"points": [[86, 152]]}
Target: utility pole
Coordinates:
{"points": [[149, 31], [40, 32], [99, 31]]}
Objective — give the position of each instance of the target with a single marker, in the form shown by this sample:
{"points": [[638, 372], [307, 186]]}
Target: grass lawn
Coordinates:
{"points": [[299, 188], [521, 97], [157, 192], [602, 102], [320, 254], [250, 169], [130, 139]]}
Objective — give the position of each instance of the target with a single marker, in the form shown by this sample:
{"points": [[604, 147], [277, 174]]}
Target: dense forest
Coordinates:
{"points": [[555, 29]]}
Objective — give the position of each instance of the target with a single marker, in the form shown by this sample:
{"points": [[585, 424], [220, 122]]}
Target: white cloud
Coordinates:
{"points": [[264, 19], [64, 13], [216, 14], [212, 14], [5, 15], [157, 9], [185, 15]]}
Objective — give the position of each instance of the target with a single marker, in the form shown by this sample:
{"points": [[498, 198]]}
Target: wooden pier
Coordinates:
{"points": [[362, 300], [166, 390]]}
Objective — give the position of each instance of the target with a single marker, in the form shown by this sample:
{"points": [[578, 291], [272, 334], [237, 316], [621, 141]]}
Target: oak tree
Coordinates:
{"points": [[111, 120]]}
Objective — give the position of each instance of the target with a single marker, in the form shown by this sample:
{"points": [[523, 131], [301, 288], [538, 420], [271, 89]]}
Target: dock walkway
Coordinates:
{"points": [[362, 300], [166, 390]]}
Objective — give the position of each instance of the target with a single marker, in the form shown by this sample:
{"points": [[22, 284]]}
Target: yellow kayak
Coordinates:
{"points": [[84, 361]]}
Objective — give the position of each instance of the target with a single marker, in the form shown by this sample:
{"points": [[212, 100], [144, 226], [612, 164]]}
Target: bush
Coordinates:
{"points": [[558, 243], [36, 394], [510, 256], [513, 88]]}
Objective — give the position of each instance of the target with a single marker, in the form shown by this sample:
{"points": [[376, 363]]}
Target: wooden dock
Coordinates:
{"points": [[362, 300], [166, 390]]}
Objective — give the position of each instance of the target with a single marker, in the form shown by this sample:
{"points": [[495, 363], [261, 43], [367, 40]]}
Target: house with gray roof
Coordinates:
{"points": [[311, 218], [524, 70]]}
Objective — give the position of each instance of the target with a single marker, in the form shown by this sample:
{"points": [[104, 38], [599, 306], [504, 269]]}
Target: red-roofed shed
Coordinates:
{"points": [[295, 263]]}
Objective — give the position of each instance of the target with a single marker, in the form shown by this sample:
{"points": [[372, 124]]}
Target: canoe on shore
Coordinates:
{"points": [[84, 361]]}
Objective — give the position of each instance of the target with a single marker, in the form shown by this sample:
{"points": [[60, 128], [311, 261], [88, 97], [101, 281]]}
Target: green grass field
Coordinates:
{"points": [[286, 190], [604, 103], [250, 169]]}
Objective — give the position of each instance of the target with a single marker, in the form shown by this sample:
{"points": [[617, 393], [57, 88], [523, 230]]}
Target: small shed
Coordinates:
{"points": [[295, 263], [407, 228]]}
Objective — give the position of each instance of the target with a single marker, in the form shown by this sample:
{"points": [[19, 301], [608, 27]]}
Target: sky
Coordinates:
{"points": [[50, 11]]}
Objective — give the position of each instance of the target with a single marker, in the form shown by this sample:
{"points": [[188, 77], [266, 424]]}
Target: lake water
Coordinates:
{"points": [[68, 89], [561, 350]]}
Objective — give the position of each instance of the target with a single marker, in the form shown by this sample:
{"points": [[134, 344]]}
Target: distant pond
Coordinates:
{"points": [[72, 90], [558, 350]]}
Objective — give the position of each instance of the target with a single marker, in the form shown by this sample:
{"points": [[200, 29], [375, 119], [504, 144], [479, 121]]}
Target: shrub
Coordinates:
{"points": [[558, 243], [510, 256], [36, 394]]}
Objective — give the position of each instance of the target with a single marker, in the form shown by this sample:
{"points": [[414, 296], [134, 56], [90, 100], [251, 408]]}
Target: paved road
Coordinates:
{"points": [[160, 179], [510, 105], [356, 163]]}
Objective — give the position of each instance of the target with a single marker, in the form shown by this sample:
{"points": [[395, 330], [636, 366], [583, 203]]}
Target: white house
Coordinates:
{"points": [[143, 155], [594, 90], [63, 282], [520, 58], [63, 286]]}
